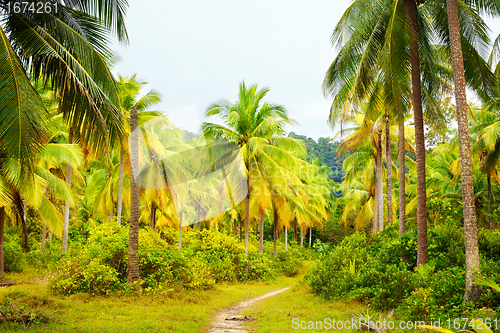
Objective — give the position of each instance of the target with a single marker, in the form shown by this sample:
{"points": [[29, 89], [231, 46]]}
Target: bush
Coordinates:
{"points": [[289, 262], [211, 257], [380, 270], [76, 276], [14, 256]]}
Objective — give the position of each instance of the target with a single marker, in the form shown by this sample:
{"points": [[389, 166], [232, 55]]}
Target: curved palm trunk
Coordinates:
{"points": [[261, 213], [472, 265], [2, 220], [422, 254], [133, 240], [120, 188], [388, 160], [402, 169], [66, 204], [490, 212]]}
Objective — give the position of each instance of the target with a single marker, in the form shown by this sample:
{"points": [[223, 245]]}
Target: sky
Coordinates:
{"points": [[195, 52]]}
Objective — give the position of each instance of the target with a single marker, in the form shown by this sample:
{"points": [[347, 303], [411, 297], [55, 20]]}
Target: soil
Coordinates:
{"points": [[228, 320]]}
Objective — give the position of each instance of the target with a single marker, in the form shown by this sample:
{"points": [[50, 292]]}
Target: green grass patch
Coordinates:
{"points": [[181, 311]]}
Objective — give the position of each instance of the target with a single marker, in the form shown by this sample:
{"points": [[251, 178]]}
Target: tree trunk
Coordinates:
{"points": [[120, 187], [490, 211], [152, 218], [112, 212], [286, 239], [472, 265], [379, 190], [66, 204], [295, 231], [179, 244], [301, 238], [198, 218], [275, 232], [25, 226], [2, 220], [44, 225], [261, 213], [388, 160], [247, 221], [422, 254], [310, 236], [402, 169], [133, 243]]}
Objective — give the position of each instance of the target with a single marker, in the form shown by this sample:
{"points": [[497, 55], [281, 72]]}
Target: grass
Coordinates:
{"points": [[184, 311], [277, 313]]}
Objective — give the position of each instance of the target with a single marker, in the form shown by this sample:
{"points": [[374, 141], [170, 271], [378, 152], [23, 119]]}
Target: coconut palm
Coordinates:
{"points": [[254, 126], [129, 89], [67, 48]]}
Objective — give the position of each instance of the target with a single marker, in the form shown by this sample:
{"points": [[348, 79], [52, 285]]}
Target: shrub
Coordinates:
{"points": [[14, 257], [93, 277], [379, 269]]}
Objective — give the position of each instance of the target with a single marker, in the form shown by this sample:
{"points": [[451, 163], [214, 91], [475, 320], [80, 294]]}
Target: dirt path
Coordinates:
{"points": [[228, 320]]}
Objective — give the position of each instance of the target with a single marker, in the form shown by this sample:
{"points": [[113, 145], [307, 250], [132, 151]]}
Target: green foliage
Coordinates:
{"points": [[380, 270], [14, 257], [208, 257], [289, 262], [76, 275]]}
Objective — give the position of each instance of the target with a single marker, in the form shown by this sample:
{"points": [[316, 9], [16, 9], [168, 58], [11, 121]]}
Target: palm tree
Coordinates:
{"points": [[472, 292], [255, 126], [133, 243], [129, 93], [67, 48]]}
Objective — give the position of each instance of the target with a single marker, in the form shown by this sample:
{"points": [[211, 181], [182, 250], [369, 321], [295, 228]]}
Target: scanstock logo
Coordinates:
{"points": [[204, 179]]}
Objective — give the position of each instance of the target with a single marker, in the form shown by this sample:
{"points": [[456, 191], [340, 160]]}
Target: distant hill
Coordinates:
{"points": [[326, 151]]}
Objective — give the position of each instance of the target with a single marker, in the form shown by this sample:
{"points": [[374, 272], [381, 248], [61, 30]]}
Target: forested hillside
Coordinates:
{"points": [[326, 151]]}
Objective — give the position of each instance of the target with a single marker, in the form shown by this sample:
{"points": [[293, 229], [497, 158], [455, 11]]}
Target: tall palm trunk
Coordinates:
{"points": [[133, 240], [261, 213], [310, 236], [2, 220], [388, 160], [301, 238], [378, 222], [402, 170], [472, 265], [422, 254], [66, 204], [490, 212], [120, 188]]}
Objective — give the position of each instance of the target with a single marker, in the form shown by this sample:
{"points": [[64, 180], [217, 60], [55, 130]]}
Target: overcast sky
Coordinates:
{"points": [[194, 52]]}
